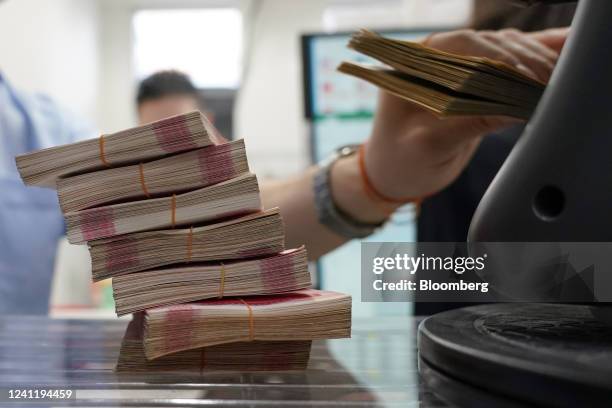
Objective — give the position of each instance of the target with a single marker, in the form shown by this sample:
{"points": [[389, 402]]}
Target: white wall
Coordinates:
{"points": [[117, 85], [51, 46], [269, 110]]}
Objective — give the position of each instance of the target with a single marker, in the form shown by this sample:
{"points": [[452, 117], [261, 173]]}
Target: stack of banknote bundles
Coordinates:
{"points": [[172, 214]]}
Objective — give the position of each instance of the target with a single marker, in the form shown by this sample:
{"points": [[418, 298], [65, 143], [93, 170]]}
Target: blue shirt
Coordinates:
{"points": [[31, 222]]}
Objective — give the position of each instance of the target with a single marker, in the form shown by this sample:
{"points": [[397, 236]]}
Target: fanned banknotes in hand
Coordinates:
{"points": [[444, 83]]}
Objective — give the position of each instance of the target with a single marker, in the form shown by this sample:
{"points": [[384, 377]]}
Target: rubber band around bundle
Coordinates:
{"points": [[222, 281], [143, 185], [251, 322], [102, 154]]}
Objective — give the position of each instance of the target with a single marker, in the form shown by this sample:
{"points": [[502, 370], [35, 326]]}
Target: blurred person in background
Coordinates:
{"points": [[167, 93], [31, 222], [446, 216]]}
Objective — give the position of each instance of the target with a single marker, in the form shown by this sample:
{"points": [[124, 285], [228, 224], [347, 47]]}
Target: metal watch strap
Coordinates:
{"points": [[328, 212]]}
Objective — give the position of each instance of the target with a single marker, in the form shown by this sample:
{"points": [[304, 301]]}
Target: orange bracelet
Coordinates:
{"points": [[373, 193]]}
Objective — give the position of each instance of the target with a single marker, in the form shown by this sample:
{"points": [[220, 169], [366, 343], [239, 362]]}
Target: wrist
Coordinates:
{"points": [[401, 173], [351, 198]]}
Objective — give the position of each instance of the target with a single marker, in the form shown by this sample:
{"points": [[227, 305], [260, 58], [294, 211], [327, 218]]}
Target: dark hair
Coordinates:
{"points": [[497, 15], [166, 83]]}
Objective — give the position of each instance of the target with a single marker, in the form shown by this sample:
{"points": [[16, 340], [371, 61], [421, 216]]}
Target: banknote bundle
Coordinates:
{"points": [[444, 83], [240, 356], [177, 173], [167, 136], [171, 213], [233, 197], [255, 235], [301, 315], [283, 272]]}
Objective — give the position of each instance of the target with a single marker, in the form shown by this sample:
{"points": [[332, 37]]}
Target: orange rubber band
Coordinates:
{"points": [[222, 281], [251, 322], [372, 191], [173, 211], [102, 156], [190, 244], [143, 185]]}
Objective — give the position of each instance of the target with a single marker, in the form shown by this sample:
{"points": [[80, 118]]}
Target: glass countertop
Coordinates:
{"points": [[374, 368]]}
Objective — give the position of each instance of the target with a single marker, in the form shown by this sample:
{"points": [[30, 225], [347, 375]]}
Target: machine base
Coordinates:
{"points": [[518, 354]]}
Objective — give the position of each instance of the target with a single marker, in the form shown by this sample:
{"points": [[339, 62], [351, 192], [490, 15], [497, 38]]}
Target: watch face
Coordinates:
{"points": [[347, 150]]}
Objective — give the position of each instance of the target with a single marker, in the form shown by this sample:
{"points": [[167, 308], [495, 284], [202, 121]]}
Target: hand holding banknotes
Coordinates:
{"points": [[413, 153]]}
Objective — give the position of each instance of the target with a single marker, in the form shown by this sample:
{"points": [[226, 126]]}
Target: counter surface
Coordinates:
{"points": [[376, 367]]}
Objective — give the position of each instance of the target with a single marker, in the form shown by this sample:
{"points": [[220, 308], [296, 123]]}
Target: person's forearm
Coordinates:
{"points": [[295, 198]]}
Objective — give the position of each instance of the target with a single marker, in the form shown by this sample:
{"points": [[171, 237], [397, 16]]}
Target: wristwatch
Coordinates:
{"points": [[328, 212]]}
